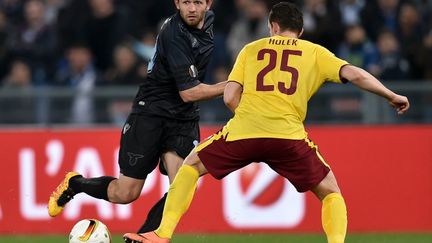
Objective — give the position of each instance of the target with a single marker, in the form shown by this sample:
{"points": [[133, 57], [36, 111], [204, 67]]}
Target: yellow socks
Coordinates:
{"points": [[179, 197], [334, 217]]}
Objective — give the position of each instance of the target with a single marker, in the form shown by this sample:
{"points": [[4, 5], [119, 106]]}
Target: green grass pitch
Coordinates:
{"points": [[244, 238]]}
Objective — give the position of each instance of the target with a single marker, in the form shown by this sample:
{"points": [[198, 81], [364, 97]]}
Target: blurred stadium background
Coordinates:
{"points": [[70, 68]]}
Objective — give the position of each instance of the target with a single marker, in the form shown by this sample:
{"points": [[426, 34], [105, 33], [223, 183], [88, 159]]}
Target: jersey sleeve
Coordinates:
{"points": [[329, 65], [182, 65], [237, 72]]}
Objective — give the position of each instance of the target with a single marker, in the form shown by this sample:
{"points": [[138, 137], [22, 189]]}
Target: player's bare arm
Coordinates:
{"points": [[232, 95], [366, 81], [203, 92]]}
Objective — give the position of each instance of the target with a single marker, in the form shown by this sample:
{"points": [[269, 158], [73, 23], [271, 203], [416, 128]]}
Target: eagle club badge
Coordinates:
{"points": [[193, 71]]}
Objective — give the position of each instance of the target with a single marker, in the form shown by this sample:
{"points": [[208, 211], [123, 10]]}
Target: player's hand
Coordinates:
{"points": [[400, 103]]}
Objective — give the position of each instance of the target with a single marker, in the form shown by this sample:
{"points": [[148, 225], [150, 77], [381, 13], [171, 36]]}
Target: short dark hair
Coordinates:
{"points": [[288, 16]]}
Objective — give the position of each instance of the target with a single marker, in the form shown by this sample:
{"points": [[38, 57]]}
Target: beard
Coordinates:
{"points": [[193, 21]]}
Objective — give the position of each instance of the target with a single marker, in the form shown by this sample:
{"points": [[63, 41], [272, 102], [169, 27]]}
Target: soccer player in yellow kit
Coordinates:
{"points": [[268, 91]]}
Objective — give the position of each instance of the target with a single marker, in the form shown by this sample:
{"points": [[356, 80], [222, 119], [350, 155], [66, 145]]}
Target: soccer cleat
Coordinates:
{"points": [[133, 238], [148, 237], [62, 195]]}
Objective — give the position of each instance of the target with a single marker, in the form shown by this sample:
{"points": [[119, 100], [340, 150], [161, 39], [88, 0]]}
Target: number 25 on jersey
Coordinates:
{"points": [[284, 67]]}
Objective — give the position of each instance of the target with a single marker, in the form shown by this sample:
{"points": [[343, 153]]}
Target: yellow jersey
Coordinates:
{"points": [[279, 75]]}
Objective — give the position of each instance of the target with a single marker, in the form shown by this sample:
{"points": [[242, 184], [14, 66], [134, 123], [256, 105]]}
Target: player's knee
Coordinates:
{"points": [[192, 159], [125, 194], [327, 186], [125, 189], [133, 195], [128, 196]]}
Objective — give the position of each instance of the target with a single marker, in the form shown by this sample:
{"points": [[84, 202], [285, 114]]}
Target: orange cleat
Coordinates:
{"points": [[148, 237], [62, 195]]}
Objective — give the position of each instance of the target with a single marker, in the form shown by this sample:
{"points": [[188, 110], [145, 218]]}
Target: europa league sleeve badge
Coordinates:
{"points": [[193, 71]]}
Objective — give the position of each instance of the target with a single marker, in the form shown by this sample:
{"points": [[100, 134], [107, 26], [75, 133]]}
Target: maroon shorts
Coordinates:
{"points": [[297, 160]]}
